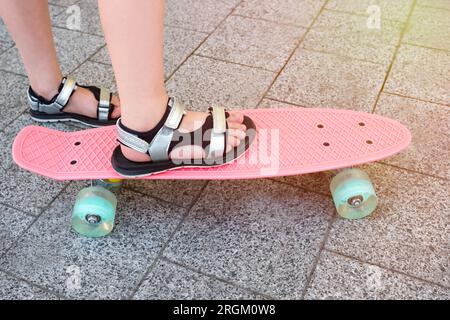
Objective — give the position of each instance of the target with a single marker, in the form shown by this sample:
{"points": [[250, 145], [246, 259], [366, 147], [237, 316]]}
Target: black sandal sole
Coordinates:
{"points": [[67, 117], [131, 169]]}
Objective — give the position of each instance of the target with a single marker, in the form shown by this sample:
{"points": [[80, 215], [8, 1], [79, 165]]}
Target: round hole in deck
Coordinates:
{"points": [[73, 162], [320, 126], [77, 143], [361, 124], [369, 142], [326, 144]]}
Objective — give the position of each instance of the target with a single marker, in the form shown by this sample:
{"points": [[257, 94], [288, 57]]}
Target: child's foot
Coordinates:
{"points": [[191, 122], [84, 103], [182, 139], [71, 102]]}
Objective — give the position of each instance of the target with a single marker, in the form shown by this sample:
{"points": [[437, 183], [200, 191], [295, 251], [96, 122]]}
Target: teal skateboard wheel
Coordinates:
{"points": [[353, 194], [94, 212]]}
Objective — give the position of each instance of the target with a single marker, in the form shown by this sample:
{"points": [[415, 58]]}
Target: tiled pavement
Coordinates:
{"points": [[276, 238]]}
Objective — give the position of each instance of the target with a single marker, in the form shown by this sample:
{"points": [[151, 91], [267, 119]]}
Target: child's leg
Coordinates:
{"points": [[134, 34], [29, 25]]}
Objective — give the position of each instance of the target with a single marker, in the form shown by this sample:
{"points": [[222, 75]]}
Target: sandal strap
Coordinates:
{"points": [[158, 148], [58, 103], [104, 105], [218, 135], [162, 138]]}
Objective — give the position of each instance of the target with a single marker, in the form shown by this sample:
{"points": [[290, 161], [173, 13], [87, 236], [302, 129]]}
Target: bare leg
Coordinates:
{"points": [[134, 34], [29, 25]]}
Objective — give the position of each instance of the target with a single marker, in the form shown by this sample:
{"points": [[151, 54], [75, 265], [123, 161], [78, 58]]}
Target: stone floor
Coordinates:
{"points": [[274, 238]]}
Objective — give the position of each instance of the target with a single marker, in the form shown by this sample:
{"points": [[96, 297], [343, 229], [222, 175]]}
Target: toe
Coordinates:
{"points": [[237, 126], [239, 134], [117, 111], [236, 117], [233, 141]]}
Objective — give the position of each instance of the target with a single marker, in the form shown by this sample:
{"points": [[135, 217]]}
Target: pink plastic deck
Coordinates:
{"points": [[289, 142]]}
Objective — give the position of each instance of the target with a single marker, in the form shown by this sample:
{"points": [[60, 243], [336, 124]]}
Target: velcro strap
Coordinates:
{"points": [[159, 147], [219, 120], [131, 140], [217, 142], [64, 96], [104, 104], [176, 114]]}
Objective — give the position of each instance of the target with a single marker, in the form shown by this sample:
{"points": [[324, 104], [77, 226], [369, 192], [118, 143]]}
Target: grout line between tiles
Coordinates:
{"points": [[169, 77], [384, 268], [301, 39], [212, 276], [394, 57], [164, 246]]}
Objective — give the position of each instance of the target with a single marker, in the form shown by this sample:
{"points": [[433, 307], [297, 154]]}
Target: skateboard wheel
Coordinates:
{"points": [[94, 212], [353, 194]]}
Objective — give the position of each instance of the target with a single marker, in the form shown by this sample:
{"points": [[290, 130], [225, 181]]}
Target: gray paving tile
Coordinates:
{"points": [[4, 46], [110, 267], [443, 4], [300, 12], [409, 230], [14, 289], [4, 35], [13, 100], [199, 15], [259, 234], [96, 74], [394, 10], [64, 2], [325, 80], [168, 282], [348, 35], [421, 73], [102, 56], [55, 11], [89, 15], [269, 103], [12, 224], [26, 191], [430, 127], [73, 48], [203, 82], [253, 42], [178, 45], [429, 27], [179, 192], [338, 277]]}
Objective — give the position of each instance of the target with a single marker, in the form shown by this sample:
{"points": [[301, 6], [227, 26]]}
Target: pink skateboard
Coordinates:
{"points": [[289, 142]]}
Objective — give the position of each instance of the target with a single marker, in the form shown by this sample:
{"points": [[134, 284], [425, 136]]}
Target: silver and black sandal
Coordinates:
{"points": [[161, 140], [43, 110]]}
